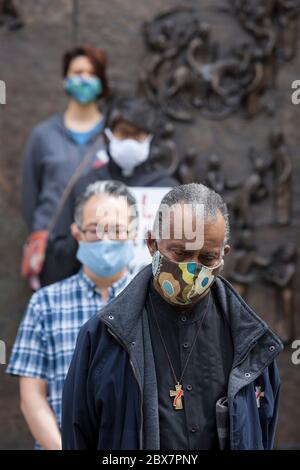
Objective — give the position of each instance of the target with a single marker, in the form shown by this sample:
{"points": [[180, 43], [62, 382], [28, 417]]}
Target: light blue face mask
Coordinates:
{"points": [[83, 89], [105, 258]]}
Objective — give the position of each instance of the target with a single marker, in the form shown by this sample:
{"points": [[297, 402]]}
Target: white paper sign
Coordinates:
{"points": [[148, 201]]}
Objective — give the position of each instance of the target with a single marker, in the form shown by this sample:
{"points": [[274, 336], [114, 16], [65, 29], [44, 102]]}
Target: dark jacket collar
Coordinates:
{"points": [[246, 326], [126, 317], [123, 314], [144, 173]]}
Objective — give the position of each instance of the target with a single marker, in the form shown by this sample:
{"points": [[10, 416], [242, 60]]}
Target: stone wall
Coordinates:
{"points": [[30, 66]]}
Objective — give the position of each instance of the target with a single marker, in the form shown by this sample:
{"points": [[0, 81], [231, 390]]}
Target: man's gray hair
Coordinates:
{"points": [[194, 194], [109, 187]]}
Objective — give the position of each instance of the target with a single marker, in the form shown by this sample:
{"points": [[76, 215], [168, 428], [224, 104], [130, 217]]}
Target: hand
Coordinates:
{"points": [[34, 253]]}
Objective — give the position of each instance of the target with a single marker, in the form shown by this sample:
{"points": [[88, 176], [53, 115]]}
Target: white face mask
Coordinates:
{"points": [[128, 153]]}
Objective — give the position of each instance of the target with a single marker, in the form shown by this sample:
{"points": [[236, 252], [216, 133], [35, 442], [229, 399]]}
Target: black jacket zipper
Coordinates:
{"points": [[136, 378]]}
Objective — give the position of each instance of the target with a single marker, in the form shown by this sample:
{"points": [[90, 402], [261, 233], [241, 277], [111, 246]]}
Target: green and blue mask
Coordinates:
{"points": [[83, 89]]}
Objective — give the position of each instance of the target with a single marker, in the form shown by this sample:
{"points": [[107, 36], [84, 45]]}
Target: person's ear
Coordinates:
{"points": [[227, 249], [76, 233], [151, 243]]}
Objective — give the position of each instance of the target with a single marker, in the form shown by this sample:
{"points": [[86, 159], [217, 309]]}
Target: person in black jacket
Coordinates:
{"points": [[130, 131], [178, 361]]}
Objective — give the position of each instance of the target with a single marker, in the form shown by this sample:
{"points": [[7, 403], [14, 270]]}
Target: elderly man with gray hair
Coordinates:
{"points": [[178, 361], [47, 335]]}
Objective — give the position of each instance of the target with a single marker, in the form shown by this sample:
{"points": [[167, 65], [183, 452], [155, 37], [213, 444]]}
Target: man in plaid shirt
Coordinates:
{"points": [[47, 335]]}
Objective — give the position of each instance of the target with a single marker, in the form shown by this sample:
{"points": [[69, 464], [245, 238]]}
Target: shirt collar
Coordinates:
{"points": [[184, 316], [113, 290]]}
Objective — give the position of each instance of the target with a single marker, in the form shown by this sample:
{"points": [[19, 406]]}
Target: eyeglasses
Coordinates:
{"points": [[96, 234]]}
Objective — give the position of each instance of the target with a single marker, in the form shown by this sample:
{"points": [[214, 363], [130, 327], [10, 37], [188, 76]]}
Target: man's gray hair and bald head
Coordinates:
{"points": [[99, 188], [194, 194]]}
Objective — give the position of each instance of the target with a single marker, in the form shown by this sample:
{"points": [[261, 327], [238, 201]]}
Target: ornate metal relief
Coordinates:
{"points": [[188, 71], [9, 15]]}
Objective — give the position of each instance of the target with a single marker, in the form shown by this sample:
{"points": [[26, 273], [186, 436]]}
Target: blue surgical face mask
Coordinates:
{"points": [[105, 258], [83, 89]]}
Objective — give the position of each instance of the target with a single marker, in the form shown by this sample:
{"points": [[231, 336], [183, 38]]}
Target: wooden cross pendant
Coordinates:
{"points": [[259, 394], [177, 394]]}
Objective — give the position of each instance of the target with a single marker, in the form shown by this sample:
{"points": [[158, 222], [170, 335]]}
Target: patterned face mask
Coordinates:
{"points": [[183, 283], [83, 89]]}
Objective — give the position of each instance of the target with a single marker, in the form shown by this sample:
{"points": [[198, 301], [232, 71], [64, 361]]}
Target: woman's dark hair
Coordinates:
{"points": [[134, 110], [97, 58]]}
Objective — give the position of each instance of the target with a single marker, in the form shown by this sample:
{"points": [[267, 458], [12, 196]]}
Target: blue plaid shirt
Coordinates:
{"points": [[47, 335]]}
